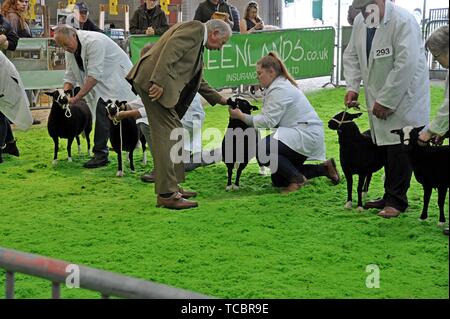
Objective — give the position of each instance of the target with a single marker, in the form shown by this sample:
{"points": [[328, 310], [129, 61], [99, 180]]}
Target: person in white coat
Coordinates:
{"points": [[299, 133], [13, 106], [99, 66], [386, 53]]}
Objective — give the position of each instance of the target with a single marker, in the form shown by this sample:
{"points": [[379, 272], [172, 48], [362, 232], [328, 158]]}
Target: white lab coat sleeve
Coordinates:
{"points": [[352, 69], [439, 125], [406, 63], [273, 110], [69, 76], [95, 67]]}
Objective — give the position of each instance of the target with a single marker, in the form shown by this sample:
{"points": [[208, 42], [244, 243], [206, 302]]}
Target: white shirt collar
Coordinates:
{"points": [[205, 40]]}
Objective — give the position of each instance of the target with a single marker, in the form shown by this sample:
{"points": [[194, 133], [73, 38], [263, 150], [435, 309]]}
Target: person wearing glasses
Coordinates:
{"points": [[149, 19], [387, 54], [251, 22]]}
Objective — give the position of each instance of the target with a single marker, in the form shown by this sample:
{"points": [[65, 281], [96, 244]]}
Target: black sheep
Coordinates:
{"points": [[430, 166], [239, 143], [65, 121], [358, 154], [124, 135]]}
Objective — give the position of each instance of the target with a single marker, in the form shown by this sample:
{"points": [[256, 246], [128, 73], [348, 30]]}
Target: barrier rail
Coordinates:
{"points": [[107, 283]]}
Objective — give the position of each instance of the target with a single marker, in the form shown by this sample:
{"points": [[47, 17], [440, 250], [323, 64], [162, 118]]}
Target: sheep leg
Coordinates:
{"points": [[69, 149], [55, 156], [349, 178], [426, 200], [241, 167], [230, 175], [366, 184], [78, 144], [130, 157], [119, 164], [442, 194], [361, 181], [88, 140]]}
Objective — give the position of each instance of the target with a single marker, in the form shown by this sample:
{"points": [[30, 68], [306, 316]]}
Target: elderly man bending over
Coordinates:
{"points": [[99, 66]]}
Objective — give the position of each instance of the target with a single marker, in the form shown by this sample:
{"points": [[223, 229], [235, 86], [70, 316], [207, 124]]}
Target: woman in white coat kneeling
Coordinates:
{"points": [[298, 131]]}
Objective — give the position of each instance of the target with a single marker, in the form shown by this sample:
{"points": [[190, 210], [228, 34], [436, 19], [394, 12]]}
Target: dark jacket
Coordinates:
{"points": [[206, 9], [236, 18], [87, 26], [21, 31], [11, 36], [142, 19]]}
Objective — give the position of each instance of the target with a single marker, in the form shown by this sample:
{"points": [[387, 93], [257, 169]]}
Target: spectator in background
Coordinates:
{"points": [[15, 11], [236, 17], [149, 19], [251, 21], [80, 19], [8, 38], [206, 10], [351, 14]]}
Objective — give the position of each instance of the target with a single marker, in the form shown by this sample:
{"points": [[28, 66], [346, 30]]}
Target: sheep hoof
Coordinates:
{"points": [[360, 209], [55, 162], [89, 153], [364, 194], [133, 172], [348, 205], [229, 188], [422, 220], [235, 187], [441, 224], [264, 171], [69, 159], [119, 174]]}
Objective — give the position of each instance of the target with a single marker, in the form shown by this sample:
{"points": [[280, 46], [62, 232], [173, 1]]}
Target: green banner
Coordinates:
{"points": [[307, 53]]}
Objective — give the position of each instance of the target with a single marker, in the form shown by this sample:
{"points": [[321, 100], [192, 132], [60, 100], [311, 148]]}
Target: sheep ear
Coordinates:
{"points": [[254, 108], [356, 115], [50, 93], [398, 132]]}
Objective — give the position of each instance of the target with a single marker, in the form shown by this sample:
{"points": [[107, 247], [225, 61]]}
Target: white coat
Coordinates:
{"points": [[191, 121], [106, 62], [396, 75], [297, 124], [14, 103]]}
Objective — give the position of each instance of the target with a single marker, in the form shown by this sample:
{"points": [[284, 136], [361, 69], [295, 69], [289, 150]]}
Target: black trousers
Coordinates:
{"points": [[101, 134], [291, 165], [6, 134], [398, 172]]}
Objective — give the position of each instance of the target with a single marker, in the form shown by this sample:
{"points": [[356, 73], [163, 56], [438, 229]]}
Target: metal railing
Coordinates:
{"points": [[107, 283]]}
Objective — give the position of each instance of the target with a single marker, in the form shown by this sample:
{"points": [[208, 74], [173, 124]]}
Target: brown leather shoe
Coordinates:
{"points": [[389, 212], [186, 194], [176, 201], [376, 203], [332, 172], [148, 177], [294, 186]]}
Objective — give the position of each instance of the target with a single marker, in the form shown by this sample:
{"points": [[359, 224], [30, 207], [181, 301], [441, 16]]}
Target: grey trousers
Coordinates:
{"points": [[162, 121]]}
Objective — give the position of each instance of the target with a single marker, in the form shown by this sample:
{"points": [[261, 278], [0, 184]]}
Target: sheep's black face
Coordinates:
{"points": [[59, 97], [342, 118], [242, 104]]}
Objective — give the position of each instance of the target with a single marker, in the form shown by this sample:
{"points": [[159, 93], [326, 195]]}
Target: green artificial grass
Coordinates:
{"points": [[251, 243]]}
